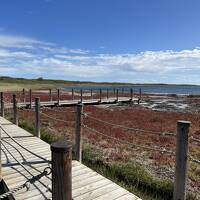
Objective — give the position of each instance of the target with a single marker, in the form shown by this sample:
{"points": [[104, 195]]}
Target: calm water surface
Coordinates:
{"points": [[159, 89]]}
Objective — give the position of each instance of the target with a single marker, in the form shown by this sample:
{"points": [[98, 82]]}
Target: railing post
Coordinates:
{"points": [[100, 94], [2, 105], [114, 91], [58, 97], [15, 117], [117, 96], [81, 95], [78, 138], [91, 94], [50, 94], [181, 160], [0, 158], [61, 152], [30, 98], [107, 94], [37, 117], [122, 92], [131, 94], [72, 94], [23, 94]]}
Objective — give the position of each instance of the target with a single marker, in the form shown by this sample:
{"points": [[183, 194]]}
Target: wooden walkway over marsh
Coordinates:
{"points": [[19, 146]]}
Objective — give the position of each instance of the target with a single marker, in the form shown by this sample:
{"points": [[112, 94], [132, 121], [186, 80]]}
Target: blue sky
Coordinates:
{"points": [[101, 40]]}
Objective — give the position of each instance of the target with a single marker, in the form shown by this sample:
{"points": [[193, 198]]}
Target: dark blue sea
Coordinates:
{"points": [[154, 89]]}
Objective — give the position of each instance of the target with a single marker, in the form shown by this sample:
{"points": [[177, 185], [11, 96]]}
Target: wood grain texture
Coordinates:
{"points": [[86, 183]]}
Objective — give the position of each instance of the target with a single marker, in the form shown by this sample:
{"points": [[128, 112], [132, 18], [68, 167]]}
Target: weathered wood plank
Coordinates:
{"points": [[86, 184]]}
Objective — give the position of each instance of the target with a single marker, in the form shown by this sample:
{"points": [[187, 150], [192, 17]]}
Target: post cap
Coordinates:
{"points": [[182, 122], [61, 146]]}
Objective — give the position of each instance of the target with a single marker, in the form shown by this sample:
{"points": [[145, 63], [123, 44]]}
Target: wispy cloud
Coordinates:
{"points": [[23, 55]]}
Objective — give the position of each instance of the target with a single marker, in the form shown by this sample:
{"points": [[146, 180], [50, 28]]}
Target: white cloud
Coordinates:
{"points": [[39, 58]]}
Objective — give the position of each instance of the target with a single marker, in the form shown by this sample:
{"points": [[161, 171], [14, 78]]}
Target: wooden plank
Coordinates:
{"points": [[86, 184]]}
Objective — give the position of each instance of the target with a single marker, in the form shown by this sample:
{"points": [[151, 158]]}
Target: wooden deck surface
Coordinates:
{"points": [[34, 154], [75, 102]]}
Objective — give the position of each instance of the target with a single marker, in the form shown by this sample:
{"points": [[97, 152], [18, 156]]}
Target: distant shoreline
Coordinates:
{"points": [[6, 79]]}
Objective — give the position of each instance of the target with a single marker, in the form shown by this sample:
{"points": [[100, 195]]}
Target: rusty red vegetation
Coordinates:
{"points": [[132, 116]]}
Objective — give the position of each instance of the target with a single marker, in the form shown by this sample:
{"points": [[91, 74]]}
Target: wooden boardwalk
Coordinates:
{"points": [[35, 154], [75, 102]]}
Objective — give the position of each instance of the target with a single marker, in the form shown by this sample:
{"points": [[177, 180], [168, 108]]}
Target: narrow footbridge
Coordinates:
{"points": [[26, 170]]}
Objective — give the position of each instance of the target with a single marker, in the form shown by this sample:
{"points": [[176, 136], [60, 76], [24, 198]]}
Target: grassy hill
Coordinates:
{"points": [[15, 84]]}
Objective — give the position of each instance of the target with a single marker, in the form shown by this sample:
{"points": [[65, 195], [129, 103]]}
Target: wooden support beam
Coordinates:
{"points": [[81, 95], [78, 131], [72, 94], [37, 117], [24, 95], [117, 95], [61, 170], [91, 94], [131, 94], [181, 160], [100, 94], [50, 94], [58, 97], [30, 98], [15, 114], [2, 105]]}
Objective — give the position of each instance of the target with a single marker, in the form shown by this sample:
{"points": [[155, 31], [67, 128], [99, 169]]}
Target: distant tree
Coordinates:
{"points": [[40, 79]]}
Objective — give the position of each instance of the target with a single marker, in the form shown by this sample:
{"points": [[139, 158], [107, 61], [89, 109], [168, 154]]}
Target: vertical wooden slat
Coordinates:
{"points": [[58, 97], [78, 136], [181, 160], [37, 117], [117, 95], [81, 95], [2, 105], [15, 116], [72, 93], [100, 94], [50, 94], [61, 170], [24, 95], [30, 98], [91, 94], [131, 93]]}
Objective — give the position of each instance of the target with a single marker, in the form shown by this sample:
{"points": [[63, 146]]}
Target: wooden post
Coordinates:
{"points": [[78, 140], [24, 95], [72, 94], [15, 117], [100, 94], [181, 160], [107, 94], [61, 152], [0, 158], [58, 97], [2, 105], [37, 117], [30, 98], [50, 94], [114, 91], [91, 94], [140, 93], [81, 95], [117, 95], [131, 93]]}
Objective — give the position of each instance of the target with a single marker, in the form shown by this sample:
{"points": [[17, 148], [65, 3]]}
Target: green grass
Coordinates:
{"points": [[129, 175], [17, 84], [44, 135]]}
